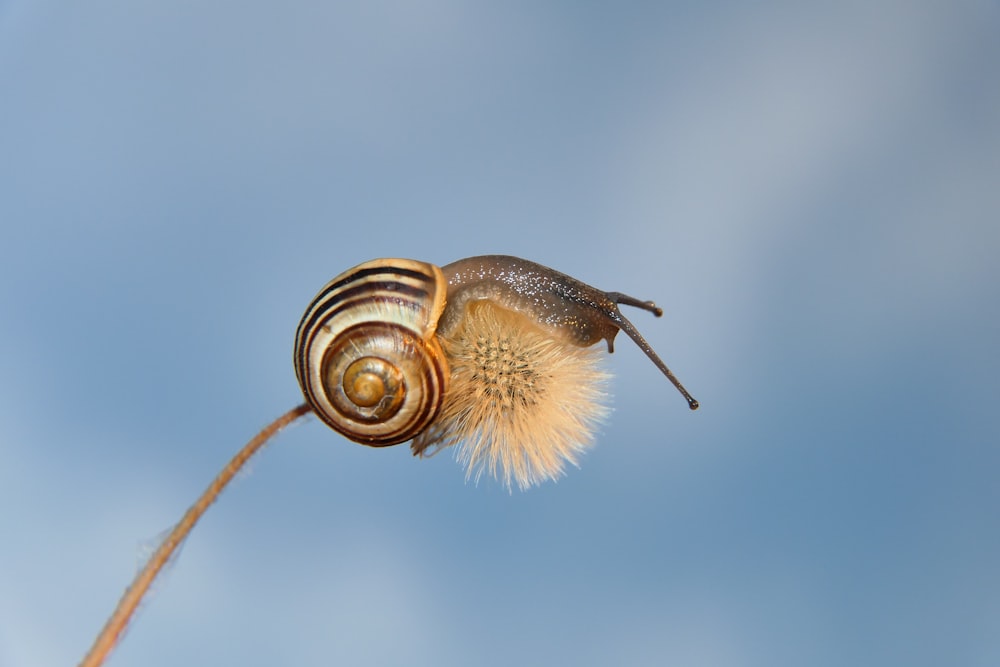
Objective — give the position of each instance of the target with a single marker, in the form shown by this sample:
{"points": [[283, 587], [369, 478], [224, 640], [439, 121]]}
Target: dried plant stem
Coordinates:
{"points": [[113, 629]]}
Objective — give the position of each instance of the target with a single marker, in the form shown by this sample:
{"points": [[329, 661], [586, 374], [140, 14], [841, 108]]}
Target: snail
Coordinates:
{"points": [[492, 354], [489, 353]]}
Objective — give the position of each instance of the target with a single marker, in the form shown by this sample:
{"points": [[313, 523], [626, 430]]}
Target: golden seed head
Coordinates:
{"points": [[522, 403]]}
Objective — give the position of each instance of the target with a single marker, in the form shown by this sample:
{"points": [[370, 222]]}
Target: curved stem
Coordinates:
{"points": [[113, 629]]}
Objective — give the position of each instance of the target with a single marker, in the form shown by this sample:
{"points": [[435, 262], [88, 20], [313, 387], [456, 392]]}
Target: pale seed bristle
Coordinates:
{"points": [[522, 401]]}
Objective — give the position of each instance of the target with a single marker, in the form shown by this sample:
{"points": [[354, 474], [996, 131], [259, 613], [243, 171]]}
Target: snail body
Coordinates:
{"points": [[493, 354], [555, 300]]}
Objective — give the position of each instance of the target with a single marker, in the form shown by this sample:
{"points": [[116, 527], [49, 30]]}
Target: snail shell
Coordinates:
{"points": [[366, 355]]}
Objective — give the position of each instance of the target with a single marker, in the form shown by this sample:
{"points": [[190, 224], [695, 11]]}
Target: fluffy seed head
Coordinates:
{"points": [[522, 400]]}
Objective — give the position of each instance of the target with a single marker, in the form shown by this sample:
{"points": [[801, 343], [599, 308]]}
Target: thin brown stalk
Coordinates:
{"points": [[119, 620]]}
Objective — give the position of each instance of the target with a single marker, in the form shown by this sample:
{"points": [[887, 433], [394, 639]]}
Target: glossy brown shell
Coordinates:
{"points": [[366, 355]]}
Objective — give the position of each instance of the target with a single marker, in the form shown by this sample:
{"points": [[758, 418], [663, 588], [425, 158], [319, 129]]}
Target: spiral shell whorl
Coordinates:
{"points": [[365, 352]]}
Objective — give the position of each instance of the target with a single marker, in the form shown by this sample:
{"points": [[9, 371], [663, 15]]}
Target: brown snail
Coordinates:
{"points": [[493, 354], [490, 353]]}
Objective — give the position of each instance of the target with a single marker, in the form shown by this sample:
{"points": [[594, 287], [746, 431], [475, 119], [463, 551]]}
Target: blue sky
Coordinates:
{"points": [[810, 193]]}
